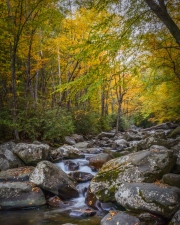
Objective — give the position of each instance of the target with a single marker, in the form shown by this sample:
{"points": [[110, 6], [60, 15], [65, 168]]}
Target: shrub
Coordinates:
{"points": [[90, 122]]}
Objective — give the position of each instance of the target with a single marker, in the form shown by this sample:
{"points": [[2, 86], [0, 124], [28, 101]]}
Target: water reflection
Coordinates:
{"points": [[44, 216]]}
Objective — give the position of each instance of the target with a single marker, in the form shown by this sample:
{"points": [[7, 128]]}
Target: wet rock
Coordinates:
{"points": [[120, 144], [93, 150], [8, 160], [145, 166], [159, 134], [20, 195], [163, 126], [82, 213], [92, 201], [55, 201], [81, 176], [148, 142], [176, 219], [16, 174], [98, 160], [159, 199], [172, 179], [82, 145], [120, 218], [66, 152], [176, 168], [69, 140], [106, 134], [70, 165], [133, 136], [77, 138], [8, 145], [51, 178], [31, 154]]}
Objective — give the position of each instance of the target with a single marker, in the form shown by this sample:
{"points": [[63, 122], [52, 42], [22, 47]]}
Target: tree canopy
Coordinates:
{"points": [[86, 66]]}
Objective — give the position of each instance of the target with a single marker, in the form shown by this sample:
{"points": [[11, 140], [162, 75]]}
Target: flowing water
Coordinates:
{"points": [[56, 216]]}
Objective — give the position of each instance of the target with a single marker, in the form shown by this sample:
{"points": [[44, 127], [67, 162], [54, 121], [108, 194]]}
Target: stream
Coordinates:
{"points": [[48, 215]]}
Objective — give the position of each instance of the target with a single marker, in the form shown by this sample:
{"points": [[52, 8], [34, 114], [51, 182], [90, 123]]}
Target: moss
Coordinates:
{"points": [[107, 176], [107, 195], [175, 132]]}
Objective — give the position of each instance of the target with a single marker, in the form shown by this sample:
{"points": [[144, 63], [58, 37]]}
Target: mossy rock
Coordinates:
{"points": [[175, 132]]}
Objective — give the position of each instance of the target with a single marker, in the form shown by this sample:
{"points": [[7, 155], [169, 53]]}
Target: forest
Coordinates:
{"points": [[87, 66]]}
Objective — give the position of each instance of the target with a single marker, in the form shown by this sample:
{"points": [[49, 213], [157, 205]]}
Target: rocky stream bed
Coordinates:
{"points": [[131, 178]]}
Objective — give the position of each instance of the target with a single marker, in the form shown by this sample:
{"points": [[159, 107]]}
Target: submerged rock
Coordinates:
{"points": [[161, 199], [57, 202], [81, 176], [51, 178], [20, 195], [82, 212]]}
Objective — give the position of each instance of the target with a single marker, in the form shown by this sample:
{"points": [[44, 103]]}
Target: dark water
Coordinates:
{"points": [[44, 216]]}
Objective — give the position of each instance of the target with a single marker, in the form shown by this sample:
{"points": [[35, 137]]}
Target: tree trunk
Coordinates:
{"points": [[162, 13], [14, 91]]}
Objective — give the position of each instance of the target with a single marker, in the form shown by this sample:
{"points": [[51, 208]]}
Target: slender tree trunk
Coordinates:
{"points": [[14, 91], [36, 87]]}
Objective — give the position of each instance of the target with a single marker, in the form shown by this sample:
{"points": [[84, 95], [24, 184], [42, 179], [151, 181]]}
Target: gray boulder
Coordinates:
{"points": [[20, 195], [66, 152], [51, 178], [119, 144], [172, 179], [176, 219], [69, 140], [120, 218], [8, 145], [8, 160], [161, 199], [16, 174], [106, 134], [144, 166], [31, 154]]}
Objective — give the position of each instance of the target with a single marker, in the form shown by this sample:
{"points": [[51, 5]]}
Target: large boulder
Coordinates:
{"points": [[98, 160], [66, 152], [51, 178], [144, 166], [8, 160], [31, 154], [160, 199], [20, 195], [16, 174]]}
